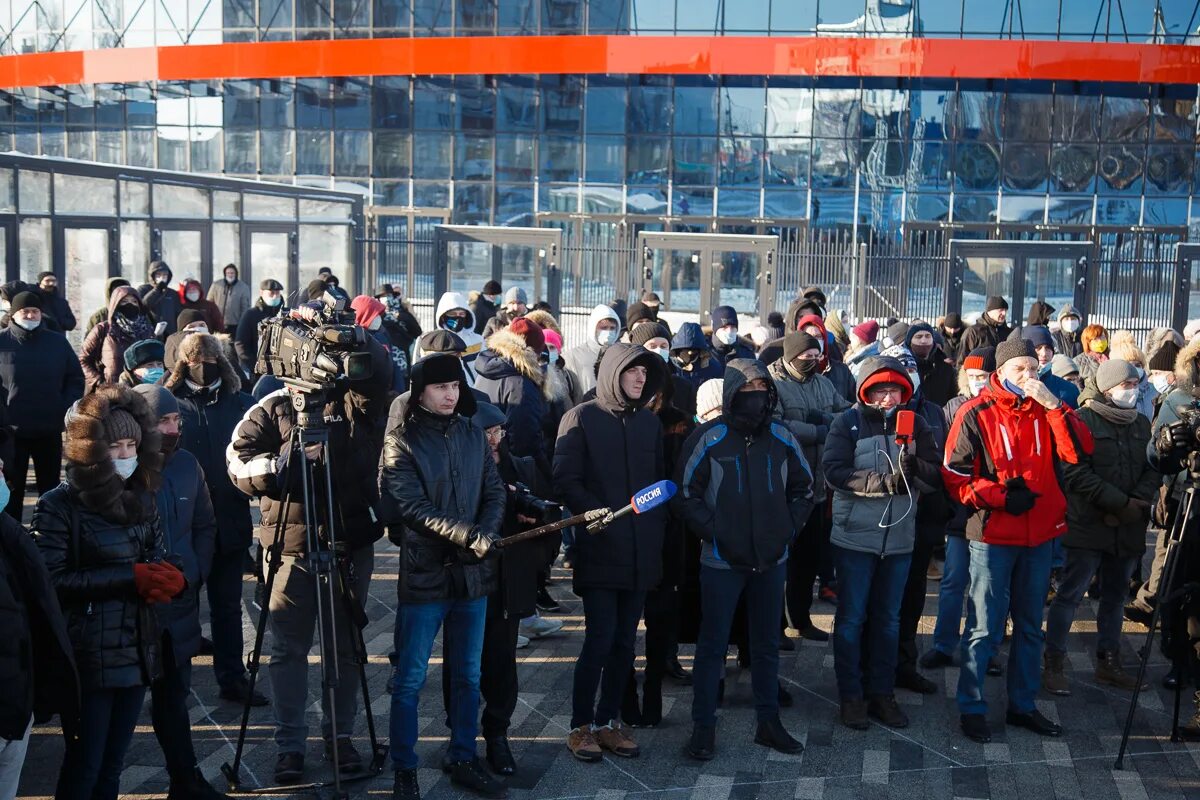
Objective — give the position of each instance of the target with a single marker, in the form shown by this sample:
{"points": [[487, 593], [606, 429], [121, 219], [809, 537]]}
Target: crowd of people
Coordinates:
{"points": [[818, 459]]}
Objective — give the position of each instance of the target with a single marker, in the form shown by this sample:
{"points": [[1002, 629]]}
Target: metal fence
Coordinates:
{"points": [[1132, 277]]}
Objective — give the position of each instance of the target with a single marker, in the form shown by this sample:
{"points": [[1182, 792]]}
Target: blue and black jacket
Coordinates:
{"points": [[745, 495]]}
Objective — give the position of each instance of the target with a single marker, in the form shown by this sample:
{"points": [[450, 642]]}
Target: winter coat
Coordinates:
{"points": [[402, 327], [185, 510], [232, 300], [55, 306], [807, 406], [984, 333], [1069, 344], [1102, 483], [581, 359], [998, 436], [856, 467], [1180, 401], [499, 321], [440, 492], [37, 668], [744, 495], [102, 356], [212, 314], [163, 302], [519, 565], [209, 420], [855, 360], [690, 336], [474, 342], [938, 379], [607, 450], [1061, 388], [483, 310], [257, 463], [560, 390], [509, 374], [399, 347], [1088, 363], [40, 378], [245, 338], [723, 354], [952, 345], [959, 514], [91, 530], [935, 508]]}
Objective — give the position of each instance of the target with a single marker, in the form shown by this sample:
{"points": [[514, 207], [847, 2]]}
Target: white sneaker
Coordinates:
{"points": [[522, 642], [537, 627]]}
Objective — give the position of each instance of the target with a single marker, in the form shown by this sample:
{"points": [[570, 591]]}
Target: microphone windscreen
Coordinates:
{"points": [[652, 496]]}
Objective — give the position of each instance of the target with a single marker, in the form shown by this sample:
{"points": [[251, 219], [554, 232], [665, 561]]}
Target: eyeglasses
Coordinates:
{"points": [[496, 435]]}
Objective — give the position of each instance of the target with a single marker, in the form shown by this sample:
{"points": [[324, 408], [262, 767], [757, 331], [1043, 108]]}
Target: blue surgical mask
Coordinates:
{"points": [[125, 466], [1012, 387], [4, 494], [153, 375]]}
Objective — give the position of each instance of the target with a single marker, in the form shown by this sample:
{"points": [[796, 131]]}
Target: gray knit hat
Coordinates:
{"points": [[120, 424], [1114, 372], [1014, 348]]}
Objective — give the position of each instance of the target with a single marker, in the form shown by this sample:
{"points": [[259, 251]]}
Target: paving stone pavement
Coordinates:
{"points": [[930, 759]]}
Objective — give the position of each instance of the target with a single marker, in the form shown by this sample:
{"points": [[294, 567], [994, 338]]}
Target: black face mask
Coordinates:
{"points": [[161, 280], [129, 311], [51, 289], [692, 357], [170, 443], [806, 366], [203, 374], [750, 410], [454, 324]]}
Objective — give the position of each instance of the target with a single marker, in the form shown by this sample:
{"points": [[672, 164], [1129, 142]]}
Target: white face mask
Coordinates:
{"points": [[976, 385], [376, 324], [125, 466], [1070, 325], [1162, 383], [1123, 398], [27, 324], [197, 329], [606, 337], [272, 301], [663, 352], [193, 296], [726, 336]]}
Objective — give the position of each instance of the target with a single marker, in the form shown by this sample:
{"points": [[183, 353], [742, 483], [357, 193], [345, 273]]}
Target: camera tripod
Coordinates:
{"points": [[1180, 529], [326, 563]]}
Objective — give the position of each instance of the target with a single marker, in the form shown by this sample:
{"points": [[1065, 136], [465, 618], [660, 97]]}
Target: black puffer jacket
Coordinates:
{"points": [[37, 670], [607, 450], [516, 595], [162, 302], [258, 456], [39, 379], [91, 530], [245, 338], [440, 494]]}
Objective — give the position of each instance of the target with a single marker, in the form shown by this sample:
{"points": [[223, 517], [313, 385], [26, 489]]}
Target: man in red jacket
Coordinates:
{"points": [[1001, 460]]}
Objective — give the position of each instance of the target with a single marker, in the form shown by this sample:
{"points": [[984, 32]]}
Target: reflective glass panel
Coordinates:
{"points": [[85, 264], [179, 201], [33, 191]]}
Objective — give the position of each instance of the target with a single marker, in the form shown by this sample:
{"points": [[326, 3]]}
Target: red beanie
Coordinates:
{"points": [[366, 309], [531, 332], [866, 332]]}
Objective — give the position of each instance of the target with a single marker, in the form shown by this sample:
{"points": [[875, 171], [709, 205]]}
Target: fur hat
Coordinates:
{"points": [[143, 352], [90, 470], [531, 332], [197, 347]]}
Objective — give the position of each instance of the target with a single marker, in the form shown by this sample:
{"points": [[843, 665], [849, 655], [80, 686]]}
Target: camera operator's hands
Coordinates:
{"points": [[1173, 440], [1041, 393], [1019, 499], [306, 313], [524, 520], [484, 544], [1135, 511]]}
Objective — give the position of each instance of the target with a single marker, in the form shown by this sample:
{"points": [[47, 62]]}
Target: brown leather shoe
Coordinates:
{"points": [[617, 741], [583, 745]]}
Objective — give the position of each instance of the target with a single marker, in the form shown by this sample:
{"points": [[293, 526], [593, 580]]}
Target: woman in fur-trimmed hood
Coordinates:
{"points": [[508, 372], [100, 537]]}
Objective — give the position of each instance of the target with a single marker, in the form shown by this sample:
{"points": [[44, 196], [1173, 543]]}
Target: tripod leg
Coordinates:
{"points": [[352, 603], [1175, 737]]}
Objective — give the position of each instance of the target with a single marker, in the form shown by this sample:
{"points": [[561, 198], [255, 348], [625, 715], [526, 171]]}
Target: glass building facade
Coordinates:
{"points": [[854, 158]]}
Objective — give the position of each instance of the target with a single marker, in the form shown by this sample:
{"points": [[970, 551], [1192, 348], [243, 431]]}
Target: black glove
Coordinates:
{"points": [[1019, 498], [1173, 439], [907, 463], [1135, 512], [484, 545]]}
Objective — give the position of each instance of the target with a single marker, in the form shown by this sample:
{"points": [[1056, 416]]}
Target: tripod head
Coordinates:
{"points": [[308, 400]]}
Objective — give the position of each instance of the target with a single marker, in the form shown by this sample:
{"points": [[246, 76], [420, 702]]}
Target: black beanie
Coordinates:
{"points": [[637, 312], [440, 368], [1164, 357], [25, 300], [995, 302], [188, 316], [644, 333], [797, 342], [491, 287], [952, 320], [1014, 348]]}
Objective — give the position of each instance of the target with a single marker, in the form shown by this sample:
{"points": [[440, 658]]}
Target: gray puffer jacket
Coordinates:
{"points": [[807, 407]]}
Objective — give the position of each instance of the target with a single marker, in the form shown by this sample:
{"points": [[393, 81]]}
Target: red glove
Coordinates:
{"points": [[157, 583], [168, 579], [144, 579]]}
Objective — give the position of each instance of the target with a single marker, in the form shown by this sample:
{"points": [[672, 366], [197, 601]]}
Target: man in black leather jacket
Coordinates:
{"points": [[439, 486], [258, 460]]}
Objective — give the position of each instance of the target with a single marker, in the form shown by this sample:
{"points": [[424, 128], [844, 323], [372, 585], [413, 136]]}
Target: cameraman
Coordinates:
{"points": [[516, 595], [258, 457], [442, 494]]}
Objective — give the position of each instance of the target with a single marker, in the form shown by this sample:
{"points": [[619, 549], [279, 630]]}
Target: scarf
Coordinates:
{"points": [[129, 330], [1110, 413]]}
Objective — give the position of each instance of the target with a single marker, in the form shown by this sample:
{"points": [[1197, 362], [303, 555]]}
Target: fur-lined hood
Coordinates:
{"points": [[544, 319], [90, 471], [511, 349], [1187, 375], [197, 347]]}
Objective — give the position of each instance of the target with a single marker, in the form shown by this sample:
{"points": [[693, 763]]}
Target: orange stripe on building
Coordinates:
{"points": [[618, 55]]}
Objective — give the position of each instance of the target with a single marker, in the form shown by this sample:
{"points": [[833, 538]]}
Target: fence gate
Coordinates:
{"points": [[468, 256], [693, 272], [1019, 271]]}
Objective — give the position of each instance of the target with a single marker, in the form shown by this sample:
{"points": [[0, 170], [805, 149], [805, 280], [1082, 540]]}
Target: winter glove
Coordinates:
{"points": [[158, 582], [484, 545], [907, 463], [1019, 498], [1174, 439], [1134, 512], [893, 483]]}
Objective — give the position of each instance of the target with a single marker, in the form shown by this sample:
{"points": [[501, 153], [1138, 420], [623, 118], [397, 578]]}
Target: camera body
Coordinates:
{"points": [[526, 503], [314, 355]]}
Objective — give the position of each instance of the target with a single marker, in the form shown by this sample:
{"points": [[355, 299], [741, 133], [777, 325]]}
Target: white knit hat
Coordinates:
{"points": [[710, 396]]}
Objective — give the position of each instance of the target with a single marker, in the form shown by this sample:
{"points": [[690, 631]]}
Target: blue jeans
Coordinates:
{"points": [[1004, 579], [956, 575], [417, 625], [870, 589], [719, 593], [1081, 565], [92, 765]]}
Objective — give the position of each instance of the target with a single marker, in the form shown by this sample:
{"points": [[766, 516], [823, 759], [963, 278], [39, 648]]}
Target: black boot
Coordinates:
{"points": [[772, 734], [193, 787], [651, 702], [631, 712], [785, 698], [703, 744], [500, 757], [471, 775], [405, 786]]}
